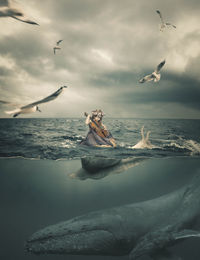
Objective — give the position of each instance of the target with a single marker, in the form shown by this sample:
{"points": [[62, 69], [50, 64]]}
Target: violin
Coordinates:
{"points": [[96, 126]]}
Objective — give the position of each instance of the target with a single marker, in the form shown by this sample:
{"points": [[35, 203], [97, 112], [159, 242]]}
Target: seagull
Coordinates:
{"points": [[57, 46], [33, 107], [163, 24], [8, 9], [155, 76]]}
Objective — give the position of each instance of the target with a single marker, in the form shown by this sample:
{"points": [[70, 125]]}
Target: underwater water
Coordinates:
{"points": [[60, 138], [37, 193]]}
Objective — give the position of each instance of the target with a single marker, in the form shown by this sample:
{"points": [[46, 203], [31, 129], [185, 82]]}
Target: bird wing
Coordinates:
{"points": [[147, 78], [4, 102], [56, 48], [7, 103], [58, 42], [159, 67], [4, 2], [46, 99], [171, 25], [159, 13], [24, 18]]}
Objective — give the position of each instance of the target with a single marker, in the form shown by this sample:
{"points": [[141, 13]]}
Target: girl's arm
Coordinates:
{"points": [[87, 121], [104, 127]]}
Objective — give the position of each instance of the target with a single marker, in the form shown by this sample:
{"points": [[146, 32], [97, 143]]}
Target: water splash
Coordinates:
{"points": [[144, 142]]}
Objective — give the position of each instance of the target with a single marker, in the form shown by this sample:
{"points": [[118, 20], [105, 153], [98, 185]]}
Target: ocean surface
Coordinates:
{"points": [[60, 138]]}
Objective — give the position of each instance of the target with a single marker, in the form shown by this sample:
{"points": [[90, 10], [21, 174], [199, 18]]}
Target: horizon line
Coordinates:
{"points": [[150, 118]]}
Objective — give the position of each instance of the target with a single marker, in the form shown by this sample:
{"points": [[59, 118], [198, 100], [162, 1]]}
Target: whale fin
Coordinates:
{"points": [[142, 132], [155, 241], [187, 233]]}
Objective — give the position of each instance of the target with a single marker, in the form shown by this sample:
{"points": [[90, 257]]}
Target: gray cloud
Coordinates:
{"points": [[107, 47]]}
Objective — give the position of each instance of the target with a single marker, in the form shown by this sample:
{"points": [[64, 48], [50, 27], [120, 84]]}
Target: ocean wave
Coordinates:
{"points": [[68, 137], [68, 144], [193, 146], [60, 138]]}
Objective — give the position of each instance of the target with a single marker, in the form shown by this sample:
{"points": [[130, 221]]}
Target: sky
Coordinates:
{"points": [[108, 46]]}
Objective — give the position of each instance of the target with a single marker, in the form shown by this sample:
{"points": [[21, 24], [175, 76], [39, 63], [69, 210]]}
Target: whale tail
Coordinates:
{"points": [[144, 142], [145, 139], [142, 132]]}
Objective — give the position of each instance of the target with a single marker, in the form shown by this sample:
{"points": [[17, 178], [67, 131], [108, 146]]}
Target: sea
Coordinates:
{"points": [[40, 183], [60, 138]]}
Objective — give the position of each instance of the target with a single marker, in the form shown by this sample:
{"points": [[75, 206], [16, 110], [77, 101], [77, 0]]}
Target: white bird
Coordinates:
{"points": [[8, 8], [163, 24], [33, 107], [57, 46], [155, 76]]}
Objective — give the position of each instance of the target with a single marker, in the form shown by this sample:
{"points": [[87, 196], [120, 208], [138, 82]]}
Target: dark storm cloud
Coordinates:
{"points": [[4, 72], [71, 10], [26, 50], [174, 88], [107, 47], [116, 79], [179, 90]]}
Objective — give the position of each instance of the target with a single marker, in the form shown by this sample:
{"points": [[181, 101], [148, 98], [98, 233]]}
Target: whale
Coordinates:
{"points": [[96, 163], [147, 228], [98, 167], [144, 142]]}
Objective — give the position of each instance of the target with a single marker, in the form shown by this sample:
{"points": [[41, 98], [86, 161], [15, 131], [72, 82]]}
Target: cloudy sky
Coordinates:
{"points": [[108, 45]]}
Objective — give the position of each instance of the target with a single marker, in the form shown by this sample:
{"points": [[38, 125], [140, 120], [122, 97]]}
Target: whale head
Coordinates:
{"points": [[85, 235]]}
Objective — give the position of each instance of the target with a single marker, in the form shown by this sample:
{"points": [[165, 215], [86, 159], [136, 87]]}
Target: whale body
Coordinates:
{"points": [[95, 163], [96, 167], [144, 228]]}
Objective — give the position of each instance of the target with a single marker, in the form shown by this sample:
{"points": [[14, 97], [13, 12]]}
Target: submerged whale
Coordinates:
{"points": [[96, 167], [97, 163], [144, 228]]}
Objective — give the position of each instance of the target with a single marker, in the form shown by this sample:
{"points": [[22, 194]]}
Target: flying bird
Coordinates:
{"points": [[8, 8], [155, 76], [58, 42], [163, 24], [33, 107], [57, 46]]}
